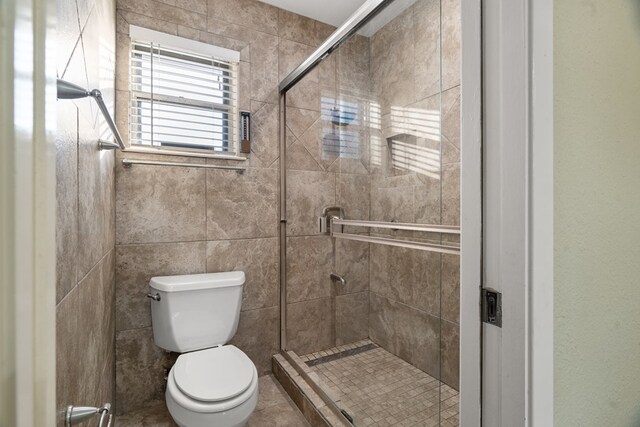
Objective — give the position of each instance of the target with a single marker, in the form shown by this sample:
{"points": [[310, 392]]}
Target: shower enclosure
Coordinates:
{"points": [[370, 215]]}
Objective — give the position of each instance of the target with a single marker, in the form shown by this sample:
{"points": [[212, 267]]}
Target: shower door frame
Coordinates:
{"points": [[470, 198]]}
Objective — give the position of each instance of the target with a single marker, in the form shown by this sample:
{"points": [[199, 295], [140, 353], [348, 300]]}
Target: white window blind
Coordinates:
{"points": [[181, 100]]}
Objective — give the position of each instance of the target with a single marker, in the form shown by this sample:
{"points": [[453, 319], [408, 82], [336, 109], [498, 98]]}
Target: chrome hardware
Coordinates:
{"points": [[492, 307], [155, 297], [338, 223], [337, 278], [78, 414], [68, 90], [127, 163], [328, 214]]}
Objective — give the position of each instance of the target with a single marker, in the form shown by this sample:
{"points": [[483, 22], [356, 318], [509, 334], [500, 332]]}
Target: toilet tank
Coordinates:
{"points": [[195, 311]]}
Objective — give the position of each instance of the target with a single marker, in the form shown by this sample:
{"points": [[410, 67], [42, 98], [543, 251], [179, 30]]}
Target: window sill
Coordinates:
{"points": [[185, 154]]}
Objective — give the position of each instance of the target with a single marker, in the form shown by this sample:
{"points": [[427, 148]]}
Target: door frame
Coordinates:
{"points": [[470, 212], [27, 213], [517, 50]]}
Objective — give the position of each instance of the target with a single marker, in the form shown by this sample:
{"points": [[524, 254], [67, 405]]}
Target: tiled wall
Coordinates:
{"points": [[85, 225], [174, 220], [414, 310]]}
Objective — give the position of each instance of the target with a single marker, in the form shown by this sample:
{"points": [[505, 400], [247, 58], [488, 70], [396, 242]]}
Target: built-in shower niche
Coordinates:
{"points": [[410, 153]]}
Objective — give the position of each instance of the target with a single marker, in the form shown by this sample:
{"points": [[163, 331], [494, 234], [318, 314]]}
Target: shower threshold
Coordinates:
{"points": [[376, 388]]}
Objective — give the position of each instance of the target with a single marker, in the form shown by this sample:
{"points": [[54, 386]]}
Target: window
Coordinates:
{"points": [[183, 94]]}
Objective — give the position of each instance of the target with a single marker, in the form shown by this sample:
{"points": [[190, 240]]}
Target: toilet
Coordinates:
{"points": [[211, 384]]}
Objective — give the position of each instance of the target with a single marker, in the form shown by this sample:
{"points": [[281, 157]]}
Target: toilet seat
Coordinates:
{"points": [[212, 380], [214, 374]]}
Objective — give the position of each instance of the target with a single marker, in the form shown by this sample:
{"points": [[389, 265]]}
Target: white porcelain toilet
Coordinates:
{"points": [[211, 384]]}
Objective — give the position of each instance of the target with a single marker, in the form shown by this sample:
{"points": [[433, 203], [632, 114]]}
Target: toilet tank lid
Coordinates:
{"points": [[192, 282]]}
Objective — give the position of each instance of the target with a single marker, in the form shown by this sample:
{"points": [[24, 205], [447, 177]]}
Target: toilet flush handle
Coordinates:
{"points": [[155, 297]]}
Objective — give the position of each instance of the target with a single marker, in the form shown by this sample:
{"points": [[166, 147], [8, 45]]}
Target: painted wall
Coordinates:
{"points": [[597, 212], [85, 216]]}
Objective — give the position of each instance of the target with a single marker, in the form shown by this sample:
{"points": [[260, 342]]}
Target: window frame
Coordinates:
{"points": [[155, 42]]}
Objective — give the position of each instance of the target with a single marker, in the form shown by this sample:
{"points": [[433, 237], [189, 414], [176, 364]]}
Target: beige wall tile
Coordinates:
{"points": [[451, 22], [258, 335], [321, 143], [67, 32], [406, 332], [123, 55], [306, 93], [426, 21], [96, 326], [310, 325], [250, 13], [96, 207], [392, 199], [408, 276], [165, 12], [264, 124], [140, 366], [160, 204], [309, 263], [142, 20], [352, 318], [352, 263], [450, 354], [259, 259], [264, 67], [352, 67], [137, 264], [353, 194], [292, 26], [392, 59], [299, 120], [299, 158], [307, 194], [67, 350], [451, 288], [451, 194], [66, 199], [242, 205], [198, 6], [451, 126]]}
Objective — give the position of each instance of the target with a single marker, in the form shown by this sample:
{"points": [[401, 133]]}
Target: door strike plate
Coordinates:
{"points": [[492, 307]]}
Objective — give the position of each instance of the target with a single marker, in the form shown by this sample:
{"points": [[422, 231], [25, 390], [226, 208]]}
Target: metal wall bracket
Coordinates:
{"points": [[492, 307], [324, 220], [78, 414]]}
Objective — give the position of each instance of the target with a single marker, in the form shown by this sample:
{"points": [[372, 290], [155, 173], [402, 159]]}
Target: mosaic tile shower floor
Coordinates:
{"points": [[379, 389]]}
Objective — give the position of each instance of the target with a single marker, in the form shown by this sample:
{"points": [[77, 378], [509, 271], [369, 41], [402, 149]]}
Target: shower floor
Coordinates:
{"points": [[379, 389]]}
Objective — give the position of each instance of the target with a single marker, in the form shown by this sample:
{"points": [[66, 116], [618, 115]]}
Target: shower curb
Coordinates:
{"points": [[312, 406]]}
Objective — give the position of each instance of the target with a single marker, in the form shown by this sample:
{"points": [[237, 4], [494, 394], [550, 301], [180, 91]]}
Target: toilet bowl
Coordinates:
{"points": [[211, 384], [212, 388]]}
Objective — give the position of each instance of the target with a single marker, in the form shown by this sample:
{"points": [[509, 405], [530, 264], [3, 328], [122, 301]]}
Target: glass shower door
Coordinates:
{"points": [[372, 310]]}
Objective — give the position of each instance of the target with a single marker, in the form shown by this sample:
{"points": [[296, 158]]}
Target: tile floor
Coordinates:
{"points": [[274, 408], [380, 389]]}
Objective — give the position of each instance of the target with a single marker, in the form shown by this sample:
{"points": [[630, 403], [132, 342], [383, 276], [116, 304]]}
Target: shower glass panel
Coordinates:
{"points": [[374, 129]]}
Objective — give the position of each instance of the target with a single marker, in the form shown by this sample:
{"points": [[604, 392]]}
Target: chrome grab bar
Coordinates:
{"points": [[433, 228], [129, 162], [78, 414], [432, 247]]}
